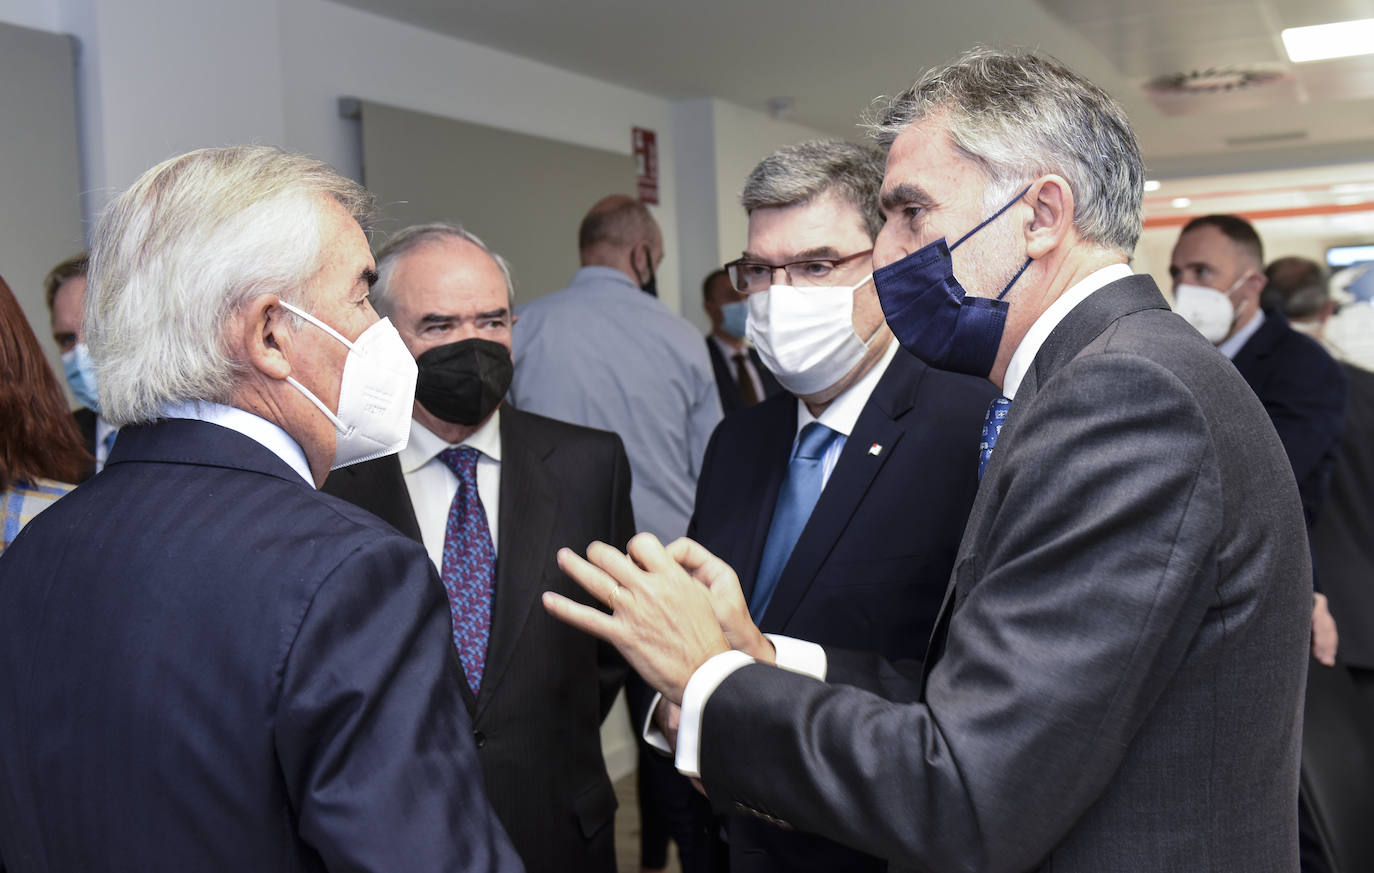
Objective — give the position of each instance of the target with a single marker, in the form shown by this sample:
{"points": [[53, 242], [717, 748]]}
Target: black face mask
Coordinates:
{"points": [[651, 286], [463, 382]]}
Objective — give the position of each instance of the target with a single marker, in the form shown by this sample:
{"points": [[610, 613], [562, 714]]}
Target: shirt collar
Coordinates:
{"points": [[256, 428], [1232, 346], [843, 412], [604, 274], [425, 445], [1049, 319]]}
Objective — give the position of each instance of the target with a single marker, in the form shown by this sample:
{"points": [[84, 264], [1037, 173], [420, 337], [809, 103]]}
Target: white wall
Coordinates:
{"points": [[37, 14], [718, 144]]}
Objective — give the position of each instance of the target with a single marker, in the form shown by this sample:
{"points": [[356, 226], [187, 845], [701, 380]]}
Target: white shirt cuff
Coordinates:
{"points": [[650, 732], [797, 656]]}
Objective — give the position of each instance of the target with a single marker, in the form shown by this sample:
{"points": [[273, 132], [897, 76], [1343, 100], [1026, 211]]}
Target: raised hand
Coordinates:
{"points": [[661, 620], [727, 599]]}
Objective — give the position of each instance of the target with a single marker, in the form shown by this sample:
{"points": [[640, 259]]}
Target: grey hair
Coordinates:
{"points": [[801, 172], [408, 239], [1020, 115], [179, 252]]}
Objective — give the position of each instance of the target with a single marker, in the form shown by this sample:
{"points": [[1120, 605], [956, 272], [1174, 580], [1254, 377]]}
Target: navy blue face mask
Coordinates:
{"points": [[933, 317]]}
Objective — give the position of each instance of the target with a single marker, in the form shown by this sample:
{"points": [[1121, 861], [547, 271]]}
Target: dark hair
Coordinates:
{"points": [[38, 436], [76, 265], [711, 277], [1235, 228], [1296, 287]]}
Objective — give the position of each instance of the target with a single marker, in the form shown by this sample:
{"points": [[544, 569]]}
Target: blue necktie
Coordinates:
{"points": [[800, 491], [469, 571], [992, 426], [110, 441]]}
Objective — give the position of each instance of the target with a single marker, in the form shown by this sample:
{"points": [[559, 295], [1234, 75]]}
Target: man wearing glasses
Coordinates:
{"points": [[840, 504]]}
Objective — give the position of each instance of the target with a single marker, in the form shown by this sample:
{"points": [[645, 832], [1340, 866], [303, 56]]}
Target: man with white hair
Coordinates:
{"points": [[1115, 679], [232, 671]]}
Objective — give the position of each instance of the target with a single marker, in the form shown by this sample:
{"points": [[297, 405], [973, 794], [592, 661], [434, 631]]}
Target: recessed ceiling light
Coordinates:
{"points": [[1180, 203], [1151, 184], [1321, 42]]}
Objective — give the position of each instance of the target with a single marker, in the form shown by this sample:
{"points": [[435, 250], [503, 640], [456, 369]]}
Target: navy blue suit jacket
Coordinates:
{"points": [[870, 569], [1303, 390], [206, 664]]}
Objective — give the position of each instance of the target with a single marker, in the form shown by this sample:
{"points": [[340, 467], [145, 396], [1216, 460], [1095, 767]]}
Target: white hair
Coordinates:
{"points": [[1020, 115], [408, 239], [176, 255]]}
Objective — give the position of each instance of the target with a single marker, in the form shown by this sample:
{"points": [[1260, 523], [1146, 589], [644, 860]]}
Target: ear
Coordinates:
{"points": [[266, 336], [1051, 202]]}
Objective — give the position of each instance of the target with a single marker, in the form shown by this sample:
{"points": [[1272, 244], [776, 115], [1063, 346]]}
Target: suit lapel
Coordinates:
{"points": [[529, 510], [1084, 323], [858, 466], [764, 477]]}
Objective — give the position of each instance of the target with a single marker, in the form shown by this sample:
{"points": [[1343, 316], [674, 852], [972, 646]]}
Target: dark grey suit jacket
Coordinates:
{"points": [[1115, 681], [545, 687]]}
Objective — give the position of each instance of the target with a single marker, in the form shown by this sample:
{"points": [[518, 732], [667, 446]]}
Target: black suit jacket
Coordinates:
{"points": [[207, 665], [729, 387], [870, 569], [1341, 538], [1303, 390], [545, 686]]}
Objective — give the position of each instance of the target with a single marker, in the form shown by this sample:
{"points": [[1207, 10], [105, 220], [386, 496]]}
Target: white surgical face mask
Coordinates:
{"points": [[805, 336], [376, 393], [1208, 310]]}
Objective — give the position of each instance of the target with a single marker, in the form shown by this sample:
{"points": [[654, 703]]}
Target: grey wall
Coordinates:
{"points": [[523, 195], [40, 177]]}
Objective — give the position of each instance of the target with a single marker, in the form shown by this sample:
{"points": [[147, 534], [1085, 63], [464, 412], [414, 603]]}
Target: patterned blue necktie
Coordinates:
{"points": [[469, 571], [992, 426], [800, 491]]}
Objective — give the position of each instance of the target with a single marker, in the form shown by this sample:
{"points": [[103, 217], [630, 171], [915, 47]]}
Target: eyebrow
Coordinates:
{"points": [[902, 194], [820, 253], [368, 276], [438, 318]]}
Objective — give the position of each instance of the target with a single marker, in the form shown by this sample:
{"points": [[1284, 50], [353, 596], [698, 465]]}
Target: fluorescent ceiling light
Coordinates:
{"points": [[1322, 42], [1151, 184], [1181, 202]]}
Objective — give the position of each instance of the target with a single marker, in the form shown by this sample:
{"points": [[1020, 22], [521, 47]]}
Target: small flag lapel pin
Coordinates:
{"points": [[875, 450]]}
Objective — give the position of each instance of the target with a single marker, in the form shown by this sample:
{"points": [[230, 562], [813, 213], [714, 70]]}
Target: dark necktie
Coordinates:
{"points": [[800, 491], [469, 571], [992, 427], [747, 395]]}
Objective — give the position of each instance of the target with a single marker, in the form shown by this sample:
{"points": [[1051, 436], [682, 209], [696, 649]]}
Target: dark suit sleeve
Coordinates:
{"points": [[611, 666], [372, 735], [1062, 636]]}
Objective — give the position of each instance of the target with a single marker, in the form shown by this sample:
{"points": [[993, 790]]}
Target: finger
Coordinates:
{"points": [[582, 617], [617, 566], [591, 577], [650, 554], [690, 554]]}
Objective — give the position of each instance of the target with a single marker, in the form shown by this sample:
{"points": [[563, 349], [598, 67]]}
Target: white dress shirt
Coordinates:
{"points": [[809, 658], [432, 484], [256, 428]]}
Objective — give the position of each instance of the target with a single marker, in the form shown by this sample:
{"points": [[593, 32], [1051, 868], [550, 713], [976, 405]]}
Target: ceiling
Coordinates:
{"points": [[834, 58]]}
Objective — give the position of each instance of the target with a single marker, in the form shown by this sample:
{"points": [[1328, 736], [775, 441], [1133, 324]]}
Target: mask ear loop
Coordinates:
{"points": [[339, 426], [1010, 203], [1014, 278]]}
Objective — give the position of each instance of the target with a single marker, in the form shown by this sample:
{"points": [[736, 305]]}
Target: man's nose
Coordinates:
{"points": [[887, 248]]}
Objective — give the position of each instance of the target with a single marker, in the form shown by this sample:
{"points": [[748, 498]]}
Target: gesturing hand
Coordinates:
{"points": [[727, 599], [661, 620]]}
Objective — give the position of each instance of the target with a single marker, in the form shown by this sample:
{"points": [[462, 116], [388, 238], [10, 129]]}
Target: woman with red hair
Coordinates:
{"points": [[40, 447]]}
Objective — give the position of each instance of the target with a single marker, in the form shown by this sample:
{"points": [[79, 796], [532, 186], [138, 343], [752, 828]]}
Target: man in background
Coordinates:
{"points": [[491, 492], [1218, 270], [64, 288], [741, 378], [604, 354], [840, 503]]}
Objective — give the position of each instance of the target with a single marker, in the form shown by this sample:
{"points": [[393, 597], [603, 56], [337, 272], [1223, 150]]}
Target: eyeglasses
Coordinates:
{"points": [[754, 276]]}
